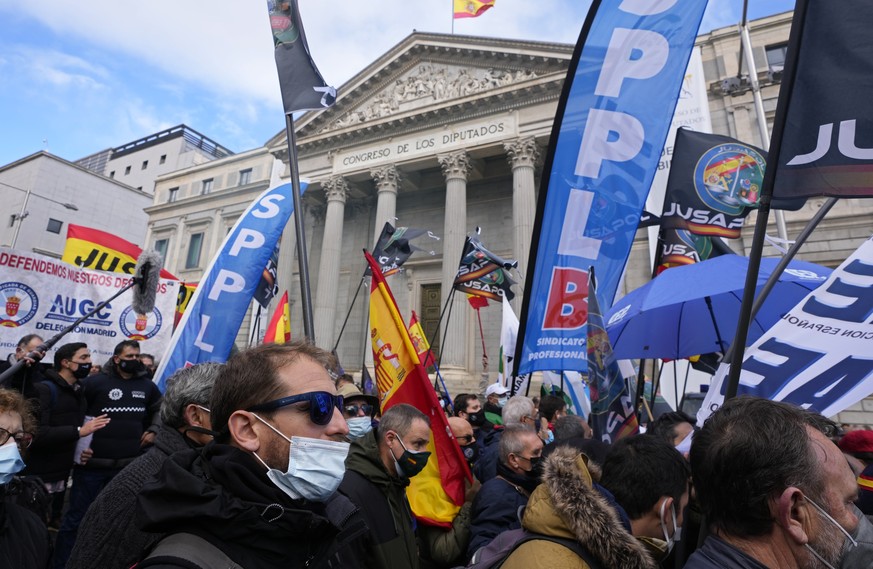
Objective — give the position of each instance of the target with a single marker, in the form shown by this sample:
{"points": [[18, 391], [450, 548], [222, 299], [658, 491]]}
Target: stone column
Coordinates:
{"points": [[455, 167], [522, 154], [337, 191], [387, 180]]}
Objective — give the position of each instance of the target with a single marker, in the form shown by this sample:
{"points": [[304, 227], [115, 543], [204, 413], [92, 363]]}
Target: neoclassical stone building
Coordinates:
{"points": [[447, 133]]}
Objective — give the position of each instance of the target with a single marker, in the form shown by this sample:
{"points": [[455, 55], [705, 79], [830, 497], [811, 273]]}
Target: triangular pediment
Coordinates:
{"points": [[429, 73]]}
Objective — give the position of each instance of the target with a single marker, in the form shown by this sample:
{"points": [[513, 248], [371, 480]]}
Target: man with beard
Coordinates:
{"points": [[263, 494], [774, 488]]}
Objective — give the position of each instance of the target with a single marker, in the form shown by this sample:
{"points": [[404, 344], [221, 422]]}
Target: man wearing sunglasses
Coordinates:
{"points": [[380, 465], [358, 410], [263, 494]]}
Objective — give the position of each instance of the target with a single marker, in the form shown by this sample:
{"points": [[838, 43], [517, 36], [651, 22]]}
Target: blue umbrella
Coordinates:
{"points": [[693, 309]]}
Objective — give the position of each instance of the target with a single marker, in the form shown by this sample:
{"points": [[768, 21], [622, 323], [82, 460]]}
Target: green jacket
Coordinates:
{"points": [[381, 497]]}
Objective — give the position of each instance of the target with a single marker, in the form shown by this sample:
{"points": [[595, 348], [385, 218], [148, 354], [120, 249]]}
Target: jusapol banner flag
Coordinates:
{"points": [[823, 129], [818, 355], [41, 295], [611, 124], [212, 320]]}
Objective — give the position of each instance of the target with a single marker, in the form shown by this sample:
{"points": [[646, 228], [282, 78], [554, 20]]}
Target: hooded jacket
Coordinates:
{"points": [[567, 505], [381, 497], [223, 495]]}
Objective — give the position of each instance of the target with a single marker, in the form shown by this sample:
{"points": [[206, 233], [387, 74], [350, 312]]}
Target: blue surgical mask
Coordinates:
{"points": [[501, 401], [359, 426], [10, 462], [315, 467]]}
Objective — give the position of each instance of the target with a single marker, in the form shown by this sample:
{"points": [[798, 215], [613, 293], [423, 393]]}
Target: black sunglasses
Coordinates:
{"points": [[22, 438], [321, 405], [465, 439], [353, 408]]}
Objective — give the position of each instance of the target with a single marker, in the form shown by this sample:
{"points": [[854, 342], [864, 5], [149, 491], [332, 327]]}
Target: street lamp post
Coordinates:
{"points": [[19, 217]]}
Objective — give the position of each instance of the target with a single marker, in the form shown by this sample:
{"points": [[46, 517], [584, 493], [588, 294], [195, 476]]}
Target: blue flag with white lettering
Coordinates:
{"points": [[612, 120], [209, 327]]}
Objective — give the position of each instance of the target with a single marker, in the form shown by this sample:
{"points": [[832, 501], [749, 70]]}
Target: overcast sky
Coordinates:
{"points": [[78, 77]]}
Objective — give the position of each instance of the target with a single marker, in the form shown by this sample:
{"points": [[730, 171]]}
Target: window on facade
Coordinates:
{"points": [[126, 170], [207, 187], [776, 56], [54, 226], [192, 260], [112, 174], [161, 246], [145, 164], [163, 158], [245, 176], [172, 195]]}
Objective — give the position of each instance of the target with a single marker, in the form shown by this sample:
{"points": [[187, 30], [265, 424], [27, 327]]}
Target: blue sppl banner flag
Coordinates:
{"points": [[611, 124], [209, 327]]}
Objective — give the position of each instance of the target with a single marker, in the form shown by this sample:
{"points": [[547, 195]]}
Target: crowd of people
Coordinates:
{"points": [[269, 460]]}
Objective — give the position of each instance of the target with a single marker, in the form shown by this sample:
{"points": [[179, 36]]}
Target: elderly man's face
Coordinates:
{"points": [[840, 492], [302, 376]]}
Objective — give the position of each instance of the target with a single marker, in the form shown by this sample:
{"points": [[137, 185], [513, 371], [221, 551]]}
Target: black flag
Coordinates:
{"points": [[484, 274], [823, 129], [303, 88]]}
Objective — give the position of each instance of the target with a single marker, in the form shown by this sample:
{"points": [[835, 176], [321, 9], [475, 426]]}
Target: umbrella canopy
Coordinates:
{"points": [[684, 311]]}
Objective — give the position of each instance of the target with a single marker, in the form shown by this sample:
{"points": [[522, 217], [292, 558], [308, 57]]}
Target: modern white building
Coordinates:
{"points": [[42, 194], [140, 162]]}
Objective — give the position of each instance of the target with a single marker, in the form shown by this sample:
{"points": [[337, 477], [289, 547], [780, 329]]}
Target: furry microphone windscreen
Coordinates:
{"points": [[147, 275]]}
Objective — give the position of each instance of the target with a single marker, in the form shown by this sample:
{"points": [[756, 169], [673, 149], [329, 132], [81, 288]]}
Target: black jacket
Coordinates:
{"points": [[486, 467], [61, 412], [718, 554], [24, 539], [108, 535], [132, 404], [223, 495]]}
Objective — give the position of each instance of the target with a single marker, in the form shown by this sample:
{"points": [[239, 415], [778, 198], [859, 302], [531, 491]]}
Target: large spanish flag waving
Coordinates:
{"points": [[437, 493], [471, 8]]}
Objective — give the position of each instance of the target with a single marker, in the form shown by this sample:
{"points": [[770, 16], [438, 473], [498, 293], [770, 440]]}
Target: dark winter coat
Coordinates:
{"points": [[381, 497], [716, 553], [486, 466], [568, 505], [131, 404], [24, 539], [497, 507], [108, 535], [61, 413], [222, 494]]}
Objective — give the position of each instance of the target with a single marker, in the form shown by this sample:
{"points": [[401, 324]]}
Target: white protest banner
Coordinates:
{"points": [[41, 295], [818, 355]]}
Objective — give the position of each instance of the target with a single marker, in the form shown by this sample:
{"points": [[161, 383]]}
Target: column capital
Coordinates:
{"points": [[522, 152], [455, 165], [336, 189], [387, 178]]}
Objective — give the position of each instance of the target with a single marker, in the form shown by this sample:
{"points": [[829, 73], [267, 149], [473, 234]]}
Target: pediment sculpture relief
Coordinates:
{"points": [[429, 84]]}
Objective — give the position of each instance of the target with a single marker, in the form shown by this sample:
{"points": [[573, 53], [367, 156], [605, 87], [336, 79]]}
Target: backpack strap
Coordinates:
{"points": [[570, 544], [189, 551]]}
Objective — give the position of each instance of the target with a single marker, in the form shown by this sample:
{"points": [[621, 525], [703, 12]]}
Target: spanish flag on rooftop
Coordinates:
{"points": [[471, 8], [437, 493]]}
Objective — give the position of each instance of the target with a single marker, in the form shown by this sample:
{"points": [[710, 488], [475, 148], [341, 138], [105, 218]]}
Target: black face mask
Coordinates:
{"points": [[471, 453], [536, 470], [134, 367], [476, 419], [82, 371]]}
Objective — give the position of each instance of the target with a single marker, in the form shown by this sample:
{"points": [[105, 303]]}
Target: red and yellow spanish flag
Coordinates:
{"points": [[471, 8], [437, 493], [97, 250], [419, 341], [279, 329]]}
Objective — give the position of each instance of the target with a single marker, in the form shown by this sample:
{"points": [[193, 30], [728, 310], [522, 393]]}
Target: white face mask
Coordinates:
{"points": [[849, 543], [315, 467], [359, 426], [685, 446], [677, 531]]}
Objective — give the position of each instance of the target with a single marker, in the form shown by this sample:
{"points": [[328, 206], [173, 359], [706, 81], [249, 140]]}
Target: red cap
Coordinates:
{"points": [[857, 441]]}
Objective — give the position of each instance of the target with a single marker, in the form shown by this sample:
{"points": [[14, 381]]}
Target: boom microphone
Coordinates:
{"points": [[146, 277]]}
